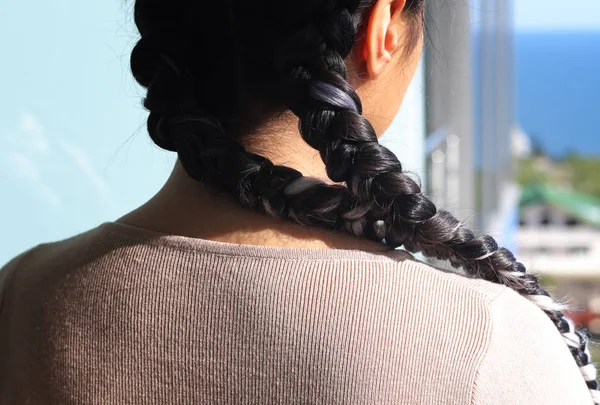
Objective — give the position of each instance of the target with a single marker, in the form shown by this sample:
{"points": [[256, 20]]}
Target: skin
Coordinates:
{"points": [[380, 71]]}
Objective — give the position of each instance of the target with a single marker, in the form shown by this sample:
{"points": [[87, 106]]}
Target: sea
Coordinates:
{"points": [[558, 90]]}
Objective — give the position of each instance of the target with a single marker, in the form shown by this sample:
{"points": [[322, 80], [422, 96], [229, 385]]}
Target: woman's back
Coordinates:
{"points": [[274, 109], [122, 315]]}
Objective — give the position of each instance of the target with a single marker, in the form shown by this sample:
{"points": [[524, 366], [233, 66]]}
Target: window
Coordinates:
{"points": [[546, 218], [578, 250]]}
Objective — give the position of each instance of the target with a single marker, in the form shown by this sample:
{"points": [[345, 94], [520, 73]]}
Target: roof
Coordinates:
{"points": [[583, 207]]}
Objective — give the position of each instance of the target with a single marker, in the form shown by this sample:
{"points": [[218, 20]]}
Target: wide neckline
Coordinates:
{"points": [[231, 249]]}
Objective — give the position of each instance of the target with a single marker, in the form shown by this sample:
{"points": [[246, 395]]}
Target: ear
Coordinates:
{"points": [[383, 35]]}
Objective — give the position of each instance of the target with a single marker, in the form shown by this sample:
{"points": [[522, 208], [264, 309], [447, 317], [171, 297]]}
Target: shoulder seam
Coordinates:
{"points": [[488, 295], [490, 330]]}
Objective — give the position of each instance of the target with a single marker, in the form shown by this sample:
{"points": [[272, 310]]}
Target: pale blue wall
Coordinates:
{"points": [[72, 154], [406, 135]]}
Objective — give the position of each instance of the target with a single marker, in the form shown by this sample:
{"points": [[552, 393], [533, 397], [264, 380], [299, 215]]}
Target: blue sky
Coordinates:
{"points": [[553, 15]]}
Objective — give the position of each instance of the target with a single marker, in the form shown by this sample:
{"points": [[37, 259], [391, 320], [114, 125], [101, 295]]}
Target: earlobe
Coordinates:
{"points": [[382, 35]]}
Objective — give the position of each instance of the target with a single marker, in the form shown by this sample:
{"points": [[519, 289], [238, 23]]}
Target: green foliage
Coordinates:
{"points": [[579, 173], [585, 174], [595, 351], [528, 173]]}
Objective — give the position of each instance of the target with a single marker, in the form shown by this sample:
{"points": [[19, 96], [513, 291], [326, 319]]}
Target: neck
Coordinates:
{"points": [[186, 207], [279, 141]]}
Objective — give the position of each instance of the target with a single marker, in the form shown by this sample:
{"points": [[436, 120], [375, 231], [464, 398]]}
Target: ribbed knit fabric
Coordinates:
{"points": [[120, 315]]}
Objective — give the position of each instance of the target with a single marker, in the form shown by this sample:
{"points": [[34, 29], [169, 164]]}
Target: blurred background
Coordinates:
{"points": [[500, 124]]}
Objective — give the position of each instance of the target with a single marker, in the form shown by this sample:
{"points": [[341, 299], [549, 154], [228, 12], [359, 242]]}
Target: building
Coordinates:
{"points": [[559, 238], [559, 232]]}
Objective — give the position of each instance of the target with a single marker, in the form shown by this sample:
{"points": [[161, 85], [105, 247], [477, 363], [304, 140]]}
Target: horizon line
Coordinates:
{"points": [[547, 30]]}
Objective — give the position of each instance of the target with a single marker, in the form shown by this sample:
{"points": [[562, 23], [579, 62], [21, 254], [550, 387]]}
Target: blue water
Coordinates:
{"points": [[558, 90]]}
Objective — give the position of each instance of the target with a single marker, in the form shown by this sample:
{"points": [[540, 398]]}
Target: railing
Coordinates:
{"points": [[444, 164]]}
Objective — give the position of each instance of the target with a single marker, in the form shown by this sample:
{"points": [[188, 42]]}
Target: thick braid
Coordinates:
{"points": [[400, 214], [210, 156], [379, 201]]}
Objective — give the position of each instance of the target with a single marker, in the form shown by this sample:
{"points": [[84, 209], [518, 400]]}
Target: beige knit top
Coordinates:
{"points": [[121, 315]]}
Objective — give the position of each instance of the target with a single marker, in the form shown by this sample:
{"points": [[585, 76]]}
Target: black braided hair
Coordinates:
{"points": [[216, 70]]}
